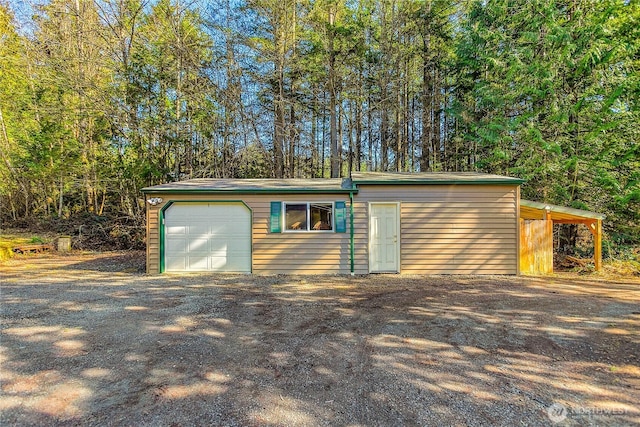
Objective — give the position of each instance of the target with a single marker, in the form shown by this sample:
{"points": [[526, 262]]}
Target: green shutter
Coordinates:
{"points": [[274, 220], [341, 217]]}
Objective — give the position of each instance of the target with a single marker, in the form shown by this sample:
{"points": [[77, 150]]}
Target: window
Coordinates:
{"points": [[308, 216], [295, 216]]}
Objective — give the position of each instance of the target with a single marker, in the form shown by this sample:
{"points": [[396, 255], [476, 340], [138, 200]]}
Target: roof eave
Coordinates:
{"points": [[578, 213], [151, 190], [511, 181]]}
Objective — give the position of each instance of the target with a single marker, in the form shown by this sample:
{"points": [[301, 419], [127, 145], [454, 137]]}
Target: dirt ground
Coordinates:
{"points": [[90, 340]]}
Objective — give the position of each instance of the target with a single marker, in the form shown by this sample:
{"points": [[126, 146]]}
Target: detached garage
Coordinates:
{"points": [[431, 223], [207, 237]]}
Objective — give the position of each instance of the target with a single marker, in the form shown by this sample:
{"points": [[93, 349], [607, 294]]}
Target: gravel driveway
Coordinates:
{"points": [[87, 340]]}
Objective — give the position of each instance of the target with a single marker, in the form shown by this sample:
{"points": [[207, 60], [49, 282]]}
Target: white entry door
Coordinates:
{"points": [[384, 239], [211, 236]]}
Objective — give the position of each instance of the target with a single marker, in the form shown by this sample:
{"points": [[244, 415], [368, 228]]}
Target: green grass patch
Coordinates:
{"points": [[10, 241]]}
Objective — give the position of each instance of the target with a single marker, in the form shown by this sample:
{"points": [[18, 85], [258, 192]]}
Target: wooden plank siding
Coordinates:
{"points": [[272, 253], [447, 229]]}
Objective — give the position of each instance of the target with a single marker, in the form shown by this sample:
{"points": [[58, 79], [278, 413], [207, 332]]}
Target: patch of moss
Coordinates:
{"points": [[8, 242]]}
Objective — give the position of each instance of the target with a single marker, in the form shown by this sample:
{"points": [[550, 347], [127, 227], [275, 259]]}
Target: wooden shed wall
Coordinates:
{"points": [[272, 253], [447, 229], [536, 246]]}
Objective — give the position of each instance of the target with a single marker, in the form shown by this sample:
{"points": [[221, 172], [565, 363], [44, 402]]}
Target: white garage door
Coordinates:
{"points": [[207, 237]]}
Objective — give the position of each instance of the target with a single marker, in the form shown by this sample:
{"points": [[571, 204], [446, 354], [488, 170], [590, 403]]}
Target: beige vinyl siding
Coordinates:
{"points": [[361, 235], [518, 237], [448, 229], [445, 229], [310, 252], [153, 239]]}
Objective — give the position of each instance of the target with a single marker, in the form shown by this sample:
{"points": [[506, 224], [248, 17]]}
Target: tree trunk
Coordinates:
{"points": [[437, 137], [358, 136], [293, 139], [426, 96], [333, 126], [279, 124]]}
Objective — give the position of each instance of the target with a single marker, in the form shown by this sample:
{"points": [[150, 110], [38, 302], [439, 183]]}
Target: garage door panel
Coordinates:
{"points": [[198, 245], [236, 256], [238, 248], [218, 248], [175, 263], [177, 245], [177, 229], [220, 229], [198, 210], [235, 262], [198, 263], [199, 230], [223, 228], [219, 264], [208, 237]]}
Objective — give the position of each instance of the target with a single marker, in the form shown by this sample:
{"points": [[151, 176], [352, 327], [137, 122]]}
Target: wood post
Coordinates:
{"points": [[595, 227], [597, 245]]}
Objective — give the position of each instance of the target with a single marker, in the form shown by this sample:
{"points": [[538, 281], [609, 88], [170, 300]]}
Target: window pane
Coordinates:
{"points": [[321, 216], [295, 216]]}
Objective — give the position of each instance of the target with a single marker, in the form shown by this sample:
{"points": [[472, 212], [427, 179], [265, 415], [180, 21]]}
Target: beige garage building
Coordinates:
{"points": [[431, 223]]}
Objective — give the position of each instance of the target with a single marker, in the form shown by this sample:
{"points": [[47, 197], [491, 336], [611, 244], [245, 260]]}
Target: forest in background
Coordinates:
{"points": [[99, 98]]}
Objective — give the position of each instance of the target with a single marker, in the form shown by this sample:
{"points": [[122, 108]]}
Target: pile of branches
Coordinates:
{"points": [[570, 262], [91, 232], [117, 234]]}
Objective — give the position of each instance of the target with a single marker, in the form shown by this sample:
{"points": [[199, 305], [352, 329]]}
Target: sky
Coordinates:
{"points": [[24, 7], [23, 10]]}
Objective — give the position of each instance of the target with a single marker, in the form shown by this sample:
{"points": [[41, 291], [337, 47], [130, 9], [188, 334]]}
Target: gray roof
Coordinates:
{"points": [[247, 186], [385, 178], [325, 185]]}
